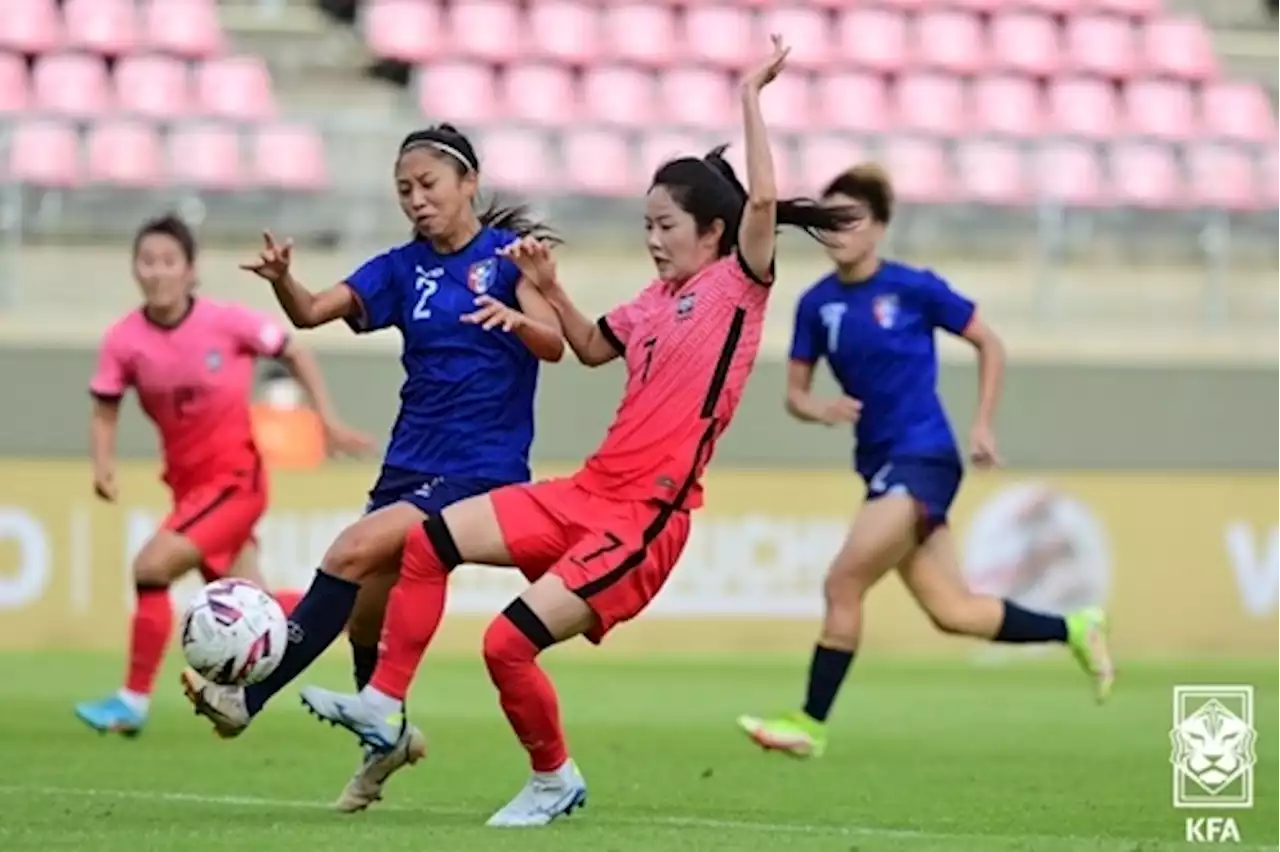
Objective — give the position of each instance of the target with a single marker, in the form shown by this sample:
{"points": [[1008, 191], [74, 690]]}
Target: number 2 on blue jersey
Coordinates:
{"points": [[426, 288]]}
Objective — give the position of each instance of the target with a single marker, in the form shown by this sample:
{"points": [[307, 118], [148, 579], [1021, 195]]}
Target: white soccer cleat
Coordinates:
{"points": [[547, 796], [222, 705], [365, 787]]}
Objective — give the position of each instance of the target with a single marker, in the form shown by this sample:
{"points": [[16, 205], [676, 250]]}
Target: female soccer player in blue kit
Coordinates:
{"points": [[873, 321], [474, 331]]}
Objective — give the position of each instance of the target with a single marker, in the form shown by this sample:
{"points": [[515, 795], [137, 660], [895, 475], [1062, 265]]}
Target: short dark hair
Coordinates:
{"points": [[171, 226], [451, 144], [707, 188], [868, 183]]}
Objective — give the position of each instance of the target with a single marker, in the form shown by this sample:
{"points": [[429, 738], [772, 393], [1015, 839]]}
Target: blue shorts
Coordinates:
{"points": [[429, 493], [931, 482]]}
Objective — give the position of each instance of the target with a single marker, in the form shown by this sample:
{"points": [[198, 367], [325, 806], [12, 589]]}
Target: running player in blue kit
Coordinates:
{"points": [[873, 321], [474, 331]]}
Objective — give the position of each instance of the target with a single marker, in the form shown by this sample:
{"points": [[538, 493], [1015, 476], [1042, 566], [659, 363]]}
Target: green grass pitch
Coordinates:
{"points": [[945, 757]]}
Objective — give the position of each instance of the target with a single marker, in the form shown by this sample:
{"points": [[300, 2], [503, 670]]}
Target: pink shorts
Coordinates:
{"points": [[614, 554], [219, 516]]}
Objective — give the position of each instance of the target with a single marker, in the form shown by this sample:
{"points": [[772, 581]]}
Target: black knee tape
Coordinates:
{"points": [[527, 622], [442, 540], [150, 586]]}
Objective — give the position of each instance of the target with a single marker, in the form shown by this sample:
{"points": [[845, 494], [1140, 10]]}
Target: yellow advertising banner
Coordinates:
{"points": [[1188, 564]]}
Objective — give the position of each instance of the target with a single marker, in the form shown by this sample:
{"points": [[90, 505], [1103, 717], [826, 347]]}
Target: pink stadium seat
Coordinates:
{"points": [[874, 39], [1237, 111], [659, 146], [992, 173], [699, 98], [820, 158], [45, 154], [485, 29], [186, 28], [564, 30], [15, 88], [32, 27], [1180, 48], [1100, 45], [806, 29], [1069, 173], [1222, 177], [206, 157], [719, 35], [788, 103], [784, 166], [640, 33], [152, 86], [518, 160], [71, 84], [403, 30], [619, 94], [1145, 176], [949, 41], [236, 87], [538, 93], [1007, 106], [1024, 43], [461, 92], [1159, 109], [930, 103], [599, 163], [920, 169], [126, 154], [855, 102], [1083, 107], [289, 157], [109, 27], [1124, 8]]}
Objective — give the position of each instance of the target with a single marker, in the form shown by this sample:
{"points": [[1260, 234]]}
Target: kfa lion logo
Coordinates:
{"points": [[1213, 747]]}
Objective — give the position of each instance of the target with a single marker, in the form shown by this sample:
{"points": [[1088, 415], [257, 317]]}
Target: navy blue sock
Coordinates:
{"points": [[316, 621], [826, 674], [364, 659], [1022, 626]]}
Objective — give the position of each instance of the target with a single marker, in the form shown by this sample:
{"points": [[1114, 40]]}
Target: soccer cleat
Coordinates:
{"points": [[222, 705], [547, 796], [1087, 636], [795, 734], [111, 715], [365, 787], [378, 732]]}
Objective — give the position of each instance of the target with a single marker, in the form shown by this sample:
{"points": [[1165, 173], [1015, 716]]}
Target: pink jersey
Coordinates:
{"points": [[193, 380], [689, 351]]}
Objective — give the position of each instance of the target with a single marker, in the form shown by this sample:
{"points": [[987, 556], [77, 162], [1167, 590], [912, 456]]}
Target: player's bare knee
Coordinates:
{"points": [[352, 556], [843, 588], [153, 566]]}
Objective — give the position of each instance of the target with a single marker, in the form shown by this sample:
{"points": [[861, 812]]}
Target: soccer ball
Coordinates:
{"points": [[234, 633]]}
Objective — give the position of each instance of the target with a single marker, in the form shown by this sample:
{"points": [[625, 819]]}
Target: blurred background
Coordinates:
{"points": [[1100, 174]]}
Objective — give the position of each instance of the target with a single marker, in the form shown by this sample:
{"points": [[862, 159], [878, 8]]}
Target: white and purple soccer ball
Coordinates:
{"points": [[234, 633]]}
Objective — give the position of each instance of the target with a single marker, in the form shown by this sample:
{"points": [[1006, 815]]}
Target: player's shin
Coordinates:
{"points": [[511, 646], [317, 620], [149, 636], [414, 609]]}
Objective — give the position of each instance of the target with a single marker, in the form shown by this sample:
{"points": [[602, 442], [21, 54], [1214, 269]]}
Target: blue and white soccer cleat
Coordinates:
{"points": [[547, 797], [379, 731], [111, 715]]}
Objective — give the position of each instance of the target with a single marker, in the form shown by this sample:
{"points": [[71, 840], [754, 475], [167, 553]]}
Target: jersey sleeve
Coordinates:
{"points": [[617, 324], [112, 375], [945, 308], [375, 289], [256, 334], [808, 338]]}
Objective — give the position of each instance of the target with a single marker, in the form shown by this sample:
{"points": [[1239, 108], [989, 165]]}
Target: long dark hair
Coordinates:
{"points": [[708, 189], [450, 144]]}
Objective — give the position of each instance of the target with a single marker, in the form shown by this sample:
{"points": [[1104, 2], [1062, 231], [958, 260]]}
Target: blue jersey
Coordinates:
{"points": [[877, 336], [466, 406]]}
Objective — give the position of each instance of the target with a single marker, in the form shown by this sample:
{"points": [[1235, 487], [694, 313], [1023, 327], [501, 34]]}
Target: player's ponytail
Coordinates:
{"points": [[518, 219]]}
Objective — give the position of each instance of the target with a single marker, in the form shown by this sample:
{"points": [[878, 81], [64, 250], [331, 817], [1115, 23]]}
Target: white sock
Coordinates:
{"points": [[383, 704], [135, 701], [563, 773]]}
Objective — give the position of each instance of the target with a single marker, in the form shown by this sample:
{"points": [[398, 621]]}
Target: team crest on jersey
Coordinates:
{"points": [[684, 307], [481, 275], [885, 310], [213, 361]]}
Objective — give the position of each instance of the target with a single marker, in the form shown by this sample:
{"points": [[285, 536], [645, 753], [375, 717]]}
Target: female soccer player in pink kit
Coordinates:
{"points": [[191, 362], [598, 546]]}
